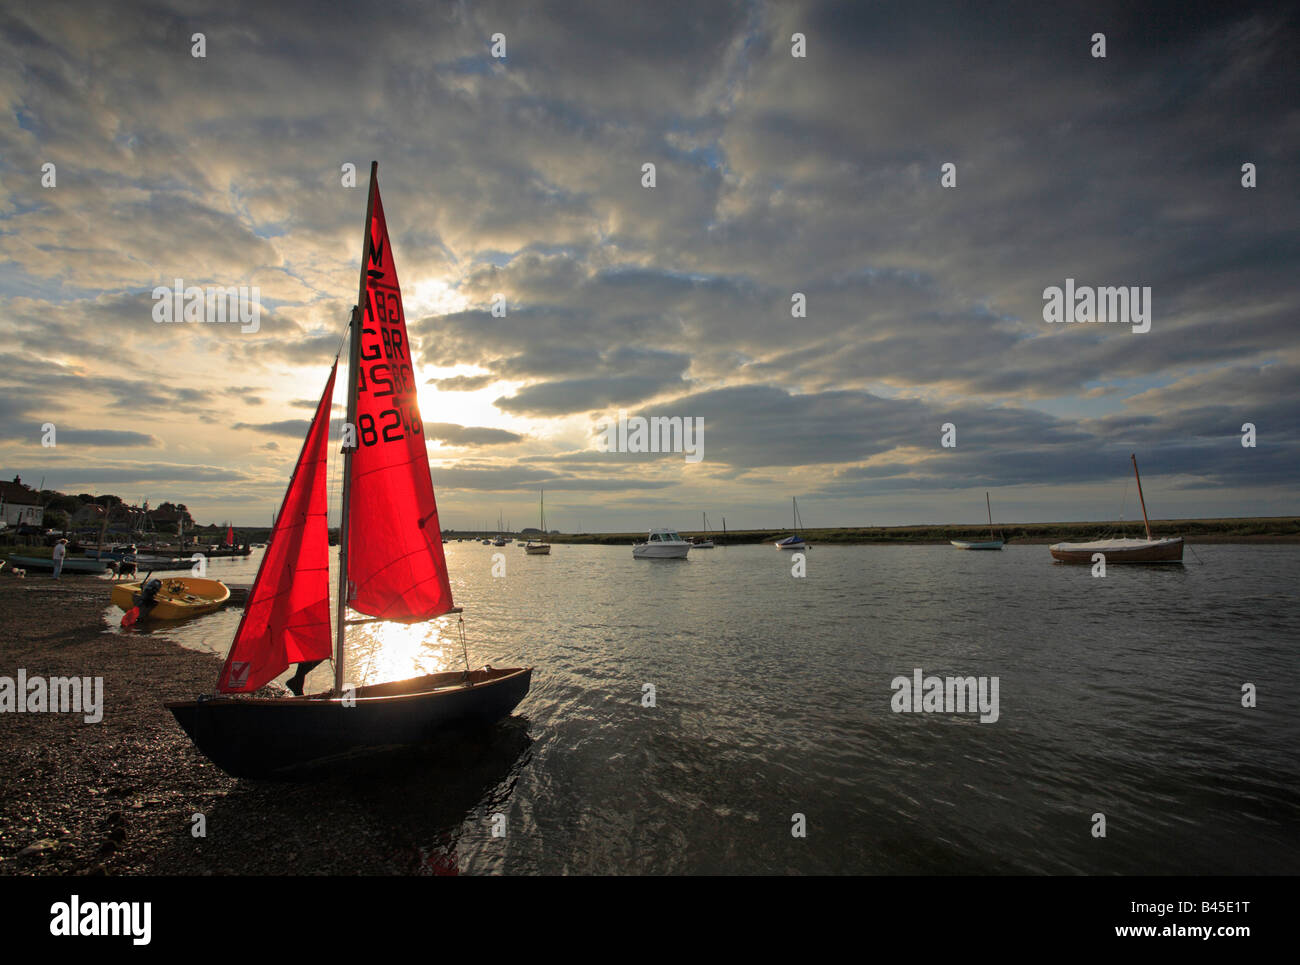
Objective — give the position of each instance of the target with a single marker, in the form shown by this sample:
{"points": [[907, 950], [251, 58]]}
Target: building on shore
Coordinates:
{"points": [[20, 505]]}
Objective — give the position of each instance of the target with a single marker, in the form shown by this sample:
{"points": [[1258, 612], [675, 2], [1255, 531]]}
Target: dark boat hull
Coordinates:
{"points": [[1157, 551], [267, 737]]}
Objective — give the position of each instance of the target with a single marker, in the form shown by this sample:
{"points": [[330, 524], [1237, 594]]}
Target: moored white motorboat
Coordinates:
{"points": [[661, 544]]}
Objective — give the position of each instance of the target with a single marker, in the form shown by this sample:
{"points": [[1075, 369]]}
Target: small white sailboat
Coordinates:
{"points": [[988, 544], [795, 542], [703, 542], [661, 544], [542, 548]]}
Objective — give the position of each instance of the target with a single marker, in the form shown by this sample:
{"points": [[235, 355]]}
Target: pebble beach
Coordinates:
{"points": [[119, 797]]}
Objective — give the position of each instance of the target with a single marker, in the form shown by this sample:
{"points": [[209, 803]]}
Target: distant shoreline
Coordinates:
{"points": [[1260, 530], [1252, 530]]}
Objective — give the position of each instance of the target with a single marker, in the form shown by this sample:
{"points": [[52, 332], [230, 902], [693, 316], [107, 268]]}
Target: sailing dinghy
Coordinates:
{"points": [[394, 570], [543, 548], [988, 544], [795, 542], [704, 542], [1167, 550]]}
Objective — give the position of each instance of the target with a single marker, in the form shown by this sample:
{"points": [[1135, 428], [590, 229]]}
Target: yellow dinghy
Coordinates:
{"points": [[175, 598]]}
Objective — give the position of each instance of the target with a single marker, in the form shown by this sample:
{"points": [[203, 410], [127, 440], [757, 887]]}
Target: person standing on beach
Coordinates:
{"points": [[60, 551]]}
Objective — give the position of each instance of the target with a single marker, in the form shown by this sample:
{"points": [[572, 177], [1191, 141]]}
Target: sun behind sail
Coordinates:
{"points": [[287, 618], [396, 568]]}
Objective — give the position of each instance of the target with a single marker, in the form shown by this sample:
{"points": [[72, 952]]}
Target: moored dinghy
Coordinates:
{"points": [[794, 542], [543, 548], [175, 598], [988, 544], [1121, 550], [394, 571], [704, 542], [1167, 550], [71, 564]]}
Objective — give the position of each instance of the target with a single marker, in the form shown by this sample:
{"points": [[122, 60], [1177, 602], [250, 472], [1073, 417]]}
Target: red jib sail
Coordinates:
{"points": [[230, 536], [396, 568], [287, 618]]}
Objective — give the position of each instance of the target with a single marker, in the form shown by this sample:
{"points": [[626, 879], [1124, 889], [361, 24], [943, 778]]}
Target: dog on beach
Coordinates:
{"points": [[121, 568]]}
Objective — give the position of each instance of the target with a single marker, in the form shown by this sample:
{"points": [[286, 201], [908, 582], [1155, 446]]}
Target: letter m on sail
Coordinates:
{"points": [[376, 254]]}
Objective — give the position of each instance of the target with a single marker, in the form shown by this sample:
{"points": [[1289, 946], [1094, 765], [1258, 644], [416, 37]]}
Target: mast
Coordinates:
{"points": [[1145, 523], [354, 363], [990, 509], [108, 513]]}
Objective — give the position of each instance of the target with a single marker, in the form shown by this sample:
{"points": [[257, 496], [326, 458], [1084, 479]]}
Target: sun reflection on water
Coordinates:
{"points": [[379, 652]]}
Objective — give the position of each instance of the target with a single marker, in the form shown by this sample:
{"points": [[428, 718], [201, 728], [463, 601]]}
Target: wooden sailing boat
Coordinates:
{"points": [[1169, 550], [795, 542], [992, 543], [543, 548], [395, 571]]}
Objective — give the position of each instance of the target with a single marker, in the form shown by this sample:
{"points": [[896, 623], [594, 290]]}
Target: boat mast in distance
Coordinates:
{"points": [[704, 542], [1168, 549], [796, 541], [543, 548], [992, 543], [1141, 499]]}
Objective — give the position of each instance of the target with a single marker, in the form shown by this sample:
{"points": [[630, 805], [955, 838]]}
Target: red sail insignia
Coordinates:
{"points": [[287, 618], [396, 567]]}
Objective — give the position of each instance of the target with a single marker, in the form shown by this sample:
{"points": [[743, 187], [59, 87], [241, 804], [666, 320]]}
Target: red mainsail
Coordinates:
{"points": [[287, 618], [396, 568]]}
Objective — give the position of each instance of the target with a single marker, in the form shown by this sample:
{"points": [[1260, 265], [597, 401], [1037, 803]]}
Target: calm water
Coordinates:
{"points": [[1119, 695]]}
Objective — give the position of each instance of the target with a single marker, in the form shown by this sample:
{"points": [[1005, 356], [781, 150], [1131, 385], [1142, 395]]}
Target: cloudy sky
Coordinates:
{"points": [[774, 174]]}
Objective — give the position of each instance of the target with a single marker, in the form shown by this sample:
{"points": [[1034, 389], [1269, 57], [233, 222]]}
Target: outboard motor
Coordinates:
{"points": [[145, 601], [149, 596]]}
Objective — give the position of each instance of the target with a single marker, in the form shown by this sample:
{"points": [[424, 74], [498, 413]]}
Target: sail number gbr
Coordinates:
{"points": [[385, 372]]}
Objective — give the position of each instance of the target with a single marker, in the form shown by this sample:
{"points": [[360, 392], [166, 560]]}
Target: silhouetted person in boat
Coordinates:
{"points": [[299, 678]]}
